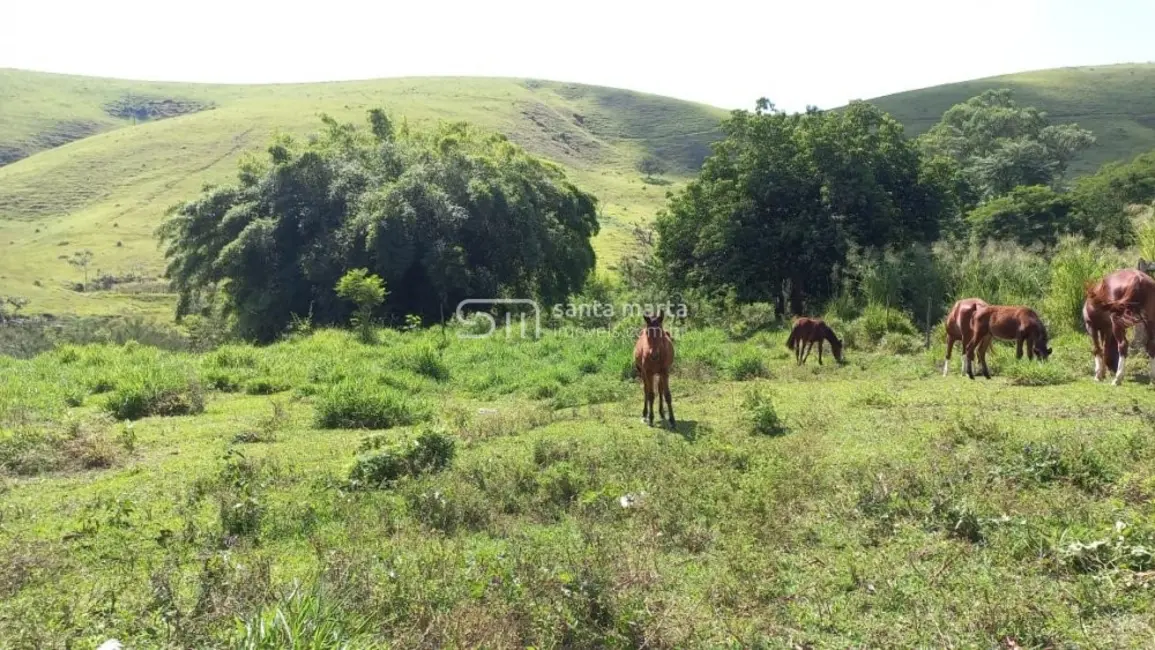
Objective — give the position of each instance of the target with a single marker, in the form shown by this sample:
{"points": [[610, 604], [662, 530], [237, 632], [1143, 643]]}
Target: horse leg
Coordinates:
{"points": [[983, 347], [647, 389], [809, 346], [1150, 355], [661, 401], [664, 391], [1019, 346], [1120, 332], [969, 358], [949, 346], [820, 343]]}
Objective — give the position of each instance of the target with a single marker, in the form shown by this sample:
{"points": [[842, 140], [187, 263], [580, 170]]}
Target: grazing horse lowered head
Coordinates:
{"points": [[1118, 301], [960, 327], [807, 332], [653, 357], [1009, 323]]}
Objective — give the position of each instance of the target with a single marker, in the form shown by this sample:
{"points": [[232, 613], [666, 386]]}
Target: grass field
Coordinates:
{"points": [[508, 495], [107, 190]]}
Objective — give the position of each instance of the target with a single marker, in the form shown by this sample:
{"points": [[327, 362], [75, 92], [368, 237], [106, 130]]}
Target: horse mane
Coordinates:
{"points": [[790, 339], [830, 335]]}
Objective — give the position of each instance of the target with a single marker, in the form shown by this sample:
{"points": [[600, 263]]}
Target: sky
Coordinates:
{"points": [[720, 52]]}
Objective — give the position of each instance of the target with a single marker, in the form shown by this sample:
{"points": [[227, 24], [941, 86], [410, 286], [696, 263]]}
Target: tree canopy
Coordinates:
{"points": [[783, 198], [1000, 145], [440, 216]]}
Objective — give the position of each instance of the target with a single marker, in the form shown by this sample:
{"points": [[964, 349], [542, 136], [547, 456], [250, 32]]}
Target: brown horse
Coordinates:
{"points": [[807, 332], [1009, 323], [959, 327], [653, 357], [1115, 303]]}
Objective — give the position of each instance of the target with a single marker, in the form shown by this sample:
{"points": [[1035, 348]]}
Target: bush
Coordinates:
{"points": [[1034, 373], [265, 386], [426, 361], [894, 343], [146, 390], [381, 463], [746, 364], [761, 416], [353, 405]]}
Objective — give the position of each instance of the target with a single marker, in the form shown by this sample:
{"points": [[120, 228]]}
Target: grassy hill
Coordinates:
{"points": [[1116, 102], [93, 163]]}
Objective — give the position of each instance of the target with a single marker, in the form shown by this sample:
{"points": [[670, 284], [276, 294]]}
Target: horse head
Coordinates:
{"points": [[654, 335], [1146, 267], [836, 348], [1042, 350]]}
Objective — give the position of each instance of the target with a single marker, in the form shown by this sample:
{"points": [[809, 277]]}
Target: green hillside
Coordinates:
{"points": [[93, 163], [1116, 102]]}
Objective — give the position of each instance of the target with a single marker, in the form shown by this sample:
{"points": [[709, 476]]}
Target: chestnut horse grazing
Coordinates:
{"points": [[1009, 323], [653, 356], [1120, 300], [807, 332], [959, 327]]}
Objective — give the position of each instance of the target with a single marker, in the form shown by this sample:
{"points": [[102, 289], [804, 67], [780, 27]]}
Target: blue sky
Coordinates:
{"points": [[720, 52]]}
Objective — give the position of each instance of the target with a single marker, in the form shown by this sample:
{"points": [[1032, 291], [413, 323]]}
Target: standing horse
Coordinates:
{"points": [[959, 328], [807, 332], [653, 356], [1009, 323], [1120, 300]]}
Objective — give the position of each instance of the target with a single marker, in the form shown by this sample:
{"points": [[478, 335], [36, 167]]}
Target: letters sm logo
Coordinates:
{"points": [[479, 311]]}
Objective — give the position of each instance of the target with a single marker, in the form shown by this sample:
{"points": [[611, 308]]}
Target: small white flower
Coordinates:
{"points": [[111, 644], [1119, 526]]}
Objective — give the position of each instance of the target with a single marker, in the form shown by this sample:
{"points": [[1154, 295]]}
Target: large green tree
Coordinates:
{"points": [[1000, 145], [782, 199], [440, 216]]}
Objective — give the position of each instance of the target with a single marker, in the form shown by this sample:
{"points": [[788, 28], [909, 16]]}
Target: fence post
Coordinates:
{"points": [[928, 322]]}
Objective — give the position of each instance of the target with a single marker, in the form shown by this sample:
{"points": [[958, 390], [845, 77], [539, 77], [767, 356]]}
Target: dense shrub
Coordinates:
{"points": [[382, 462], [148, 389], [746, 364], [362, 405], [761, 416]]}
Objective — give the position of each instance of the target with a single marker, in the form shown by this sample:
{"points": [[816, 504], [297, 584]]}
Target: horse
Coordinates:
{"points": [[959, 328], [653, 357], [807, 332], [1115, 303], [1009, 323]]}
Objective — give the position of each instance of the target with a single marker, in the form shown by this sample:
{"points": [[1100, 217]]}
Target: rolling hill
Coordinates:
{"points": [[93, 163], [1116, 102], [88, 163]]}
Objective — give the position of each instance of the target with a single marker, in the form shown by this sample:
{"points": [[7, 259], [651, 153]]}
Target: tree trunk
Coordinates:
{"points": [[796, 298]]}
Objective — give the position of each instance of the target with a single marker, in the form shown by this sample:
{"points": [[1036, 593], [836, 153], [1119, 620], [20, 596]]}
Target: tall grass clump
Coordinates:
{"points": [[304, 619], [151, 387], [761, 417], [1074, 265], [999, 273], [746, 363], [357, 405], [382, 462]]}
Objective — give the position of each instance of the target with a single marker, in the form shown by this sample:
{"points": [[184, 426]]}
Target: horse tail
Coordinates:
{"points": [[1128, 307], [791, 338], [1110, 350]]}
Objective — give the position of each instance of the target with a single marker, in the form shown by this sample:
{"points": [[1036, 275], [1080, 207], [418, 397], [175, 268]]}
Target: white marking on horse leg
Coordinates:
{"points": [[1119, 371], [1098, 368]]}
